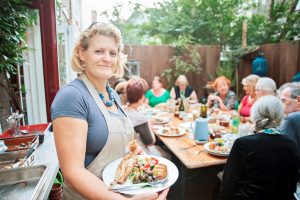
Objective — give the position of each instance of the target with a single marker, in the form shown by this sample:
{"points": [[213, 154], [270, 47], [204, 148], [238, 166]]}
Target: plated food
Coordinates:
{"points": [[171, 131], [159, 120], [132, 170], [218, 147]]}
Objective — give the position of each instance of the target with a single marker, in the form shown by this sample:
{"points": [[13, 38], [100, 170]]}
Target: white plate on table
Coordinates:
{"points": [[110, 171], [170, 133], [160, 120], [214, 152]]}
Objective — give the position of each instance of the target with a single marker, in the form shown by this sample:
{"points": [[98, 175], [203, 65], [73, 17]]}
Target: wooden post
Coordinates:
{"points": [[244, 34]]}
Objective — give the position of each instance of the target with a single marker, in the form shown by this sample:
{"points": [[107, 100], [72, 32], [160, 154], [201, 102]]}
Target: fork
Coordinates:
{"points": [[155, 184]]}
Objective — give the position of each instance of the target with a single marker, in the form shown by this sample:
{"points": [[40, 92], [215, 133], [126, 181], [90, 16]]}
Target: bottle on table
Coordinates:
{"points": [[203, 108], [181, 105], [235, 119]]}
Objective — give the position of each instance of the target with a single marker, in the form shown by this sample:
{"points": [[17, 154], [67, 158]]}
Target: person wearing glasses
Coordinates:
{"points": [[90, 127], [265, 86], [264, 165], [290, 125], [249, 99]]}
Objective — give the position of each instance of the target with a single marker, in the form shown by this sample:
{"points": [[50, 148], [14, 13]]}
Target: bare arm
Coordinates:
{"points": [[172, 93], [193, 96], [70, 138]]}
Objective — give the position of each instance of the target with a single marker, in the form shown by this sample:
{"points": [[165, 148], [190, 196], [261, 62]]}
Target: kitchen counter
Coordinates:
{"points": [[46, 155]]}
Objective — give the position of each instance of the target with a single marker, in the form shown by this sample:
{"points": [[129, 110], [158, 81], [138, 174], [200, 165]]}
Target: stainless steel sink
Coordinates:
{"points": [[22, 183]]}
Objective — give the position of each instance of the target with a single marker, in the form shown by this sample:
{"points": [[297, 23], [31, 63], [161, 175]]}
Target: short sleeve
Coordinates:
{"points": [[69, 102], [148, 94]]}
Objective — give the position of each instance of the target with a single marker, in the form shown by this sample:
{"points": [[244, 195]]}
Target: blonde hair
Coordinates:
{"points": [[250, 80], [181, 78], [104, 29]]}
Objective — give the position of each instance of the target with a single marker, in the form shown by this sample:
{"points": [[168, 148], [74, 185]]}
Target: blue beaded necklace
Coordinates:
{"points": [[111, 100]]}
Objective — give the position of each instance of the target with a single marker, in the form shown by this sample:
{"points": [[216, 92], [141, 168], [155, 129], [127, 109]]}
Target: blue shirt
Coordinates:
{"points": [[74, 100]]}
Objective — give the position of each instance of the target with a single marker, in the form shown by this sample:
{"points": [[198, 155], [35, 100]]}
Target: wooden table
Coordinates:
{"points": [[192, 156]]}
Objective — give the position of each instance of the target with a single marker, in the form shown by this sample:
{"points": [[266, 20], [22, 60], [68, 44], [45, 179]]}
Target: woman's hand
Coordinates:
{"points": [[152, 196]]}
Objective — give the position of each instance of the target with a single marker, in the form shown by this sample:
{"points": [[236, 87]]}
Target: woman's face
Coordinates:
{"points": [[156, 84], [181, 85], [249, 90], [222, 88], [101, 57]]}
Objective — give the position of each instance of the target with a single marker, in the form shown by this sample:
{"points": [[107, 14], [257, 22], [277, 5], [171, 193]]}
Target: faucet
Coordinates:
{"points": [[14, 121]]}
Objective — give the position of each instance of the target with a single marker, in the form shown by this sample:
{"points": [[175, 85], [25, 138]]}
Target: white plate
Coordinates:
{"points": [[163, 120], [213, 152], [230, 137], [110, 171], [171, 133]]}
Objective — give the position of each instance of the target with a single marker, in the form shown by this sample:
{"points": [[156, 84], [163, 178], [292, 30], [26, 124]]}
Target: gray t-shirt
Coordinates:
{"points": [[74, 100]]}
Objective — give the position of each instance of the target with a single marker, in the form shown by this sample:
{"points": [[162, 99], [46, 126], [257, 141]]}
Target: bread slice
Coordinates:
{"points": [[160, 171]]}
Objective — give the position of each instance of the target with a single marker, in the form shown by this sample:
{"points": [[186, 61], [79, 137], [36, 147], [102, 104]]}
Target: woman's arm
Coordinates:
{"points": [[70, 139], [146, 133], [70, 136], [193, 96], [172, 93]]}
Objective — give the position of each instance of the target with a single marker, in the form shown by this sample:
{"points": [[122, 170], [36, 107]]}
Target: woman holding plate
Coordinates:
{"points": [[90, 127]]}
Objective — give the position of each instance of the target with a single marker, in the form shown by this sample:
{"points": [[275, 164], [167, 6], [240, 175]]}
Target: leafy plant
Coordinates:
{"points": [[15, 18], [186, 60]]}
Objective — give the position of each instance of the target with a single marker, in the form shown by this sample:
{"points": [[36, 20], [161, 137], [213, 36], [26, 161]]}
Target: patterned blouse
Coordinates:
{"points": [[229, 101]]}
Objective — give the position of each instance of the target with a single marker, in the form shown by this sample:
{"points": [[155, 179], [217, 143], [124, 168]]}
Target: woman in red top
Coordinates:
{"points": [[249, 87]]}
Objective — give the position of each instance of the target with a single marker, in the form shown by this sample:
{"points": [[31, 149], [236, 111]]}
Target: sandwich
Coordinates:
{"points": [[125, 168]]}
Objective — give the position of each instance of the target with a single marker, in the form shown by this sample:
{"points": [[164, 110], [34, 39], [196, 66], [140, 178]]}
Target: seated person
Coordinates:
{"points": [[265, 86], [263, 165], [182, 86], [157, 94], [249, 99], [136, 89], [223, 98], [120, 87]]}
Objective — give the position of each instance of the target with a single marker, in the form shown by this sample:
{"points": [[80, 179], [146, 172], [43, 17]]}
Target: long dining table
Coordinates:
{"points": [[191, 156]]}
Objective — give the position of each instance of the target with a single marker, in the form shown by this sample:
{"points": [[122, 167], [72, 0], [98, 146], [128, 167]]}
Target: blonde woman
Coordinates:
{"points": [[90, 127], [249, 99], [182, 86]]}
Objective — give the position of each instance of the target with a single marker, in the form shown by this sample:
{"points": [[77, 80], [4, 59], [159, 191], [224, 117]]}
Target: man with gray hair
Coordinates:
{"points": [[290, 126]]}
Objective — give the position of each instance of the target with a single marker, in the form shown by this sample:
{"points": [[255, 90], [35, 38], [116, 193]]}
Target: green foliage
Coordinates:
{"points": [[15, 18], [186, 60]]}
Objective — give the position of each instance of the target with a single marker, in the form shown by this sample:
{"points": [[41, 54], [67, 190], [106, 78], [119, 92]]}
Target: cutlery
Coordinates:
{"points": [[155, 184]]}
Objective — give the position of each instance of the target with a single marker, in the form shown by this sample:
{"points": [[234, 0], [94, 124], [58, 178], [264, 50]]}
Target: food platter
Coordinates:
{"points": [[170, 132], [111, 169], [207, 148]]}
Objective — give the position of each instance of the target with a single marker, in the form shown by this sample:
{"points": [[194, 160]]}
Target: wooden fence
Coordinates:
{"points": [[155, 59], [283, 62], [282, 59]]}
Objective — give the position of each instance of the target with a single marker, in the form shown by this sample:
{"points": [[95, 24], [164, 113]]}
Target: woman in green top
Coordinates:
{"points": [[157, 94]]}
